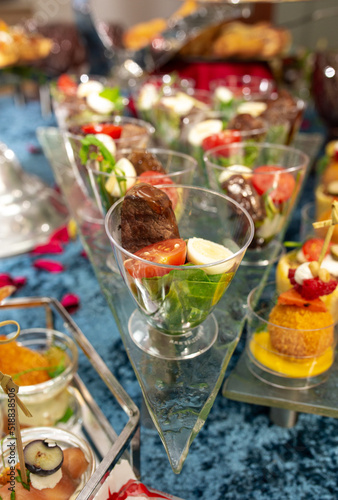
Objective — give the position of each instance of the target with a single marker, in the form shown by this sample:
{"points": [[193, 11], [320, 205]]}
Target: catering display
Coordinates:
{"points": [[176, 264]]}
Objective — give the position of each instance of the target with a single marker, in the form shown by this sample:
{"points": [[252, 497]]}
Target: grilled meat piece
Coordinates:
{"points": [[147, 217]]}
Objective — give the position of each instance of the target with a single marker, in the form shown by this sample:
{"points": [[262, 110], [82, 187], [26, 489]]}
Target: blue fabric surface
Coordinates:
{"points": [[238, 454]]}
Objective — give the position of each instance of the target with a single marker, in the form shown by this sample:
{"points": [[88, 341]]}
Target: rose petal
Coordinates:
{"points": [[70, 302], [19, 281], [84, 253], [48, 265], [33, 149], [6, 280], [60, 235], [51, 247]]}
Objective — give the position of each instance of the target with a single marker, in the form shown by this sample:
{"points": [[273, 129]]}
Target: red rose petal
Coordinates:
{"points": [[19, 281], [60, 235], [48, 265], [51, 247], [6, 280], [84, 253], [70, 302]]}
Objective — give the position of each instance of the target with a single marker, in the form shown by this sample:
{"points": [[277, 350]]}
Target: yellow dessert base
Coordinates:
{"points": [[262, 350]]}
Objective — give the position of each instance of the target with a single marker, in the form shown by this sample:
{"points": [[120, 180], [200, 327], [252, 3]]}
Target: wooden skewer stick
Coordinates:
{"points": [[330, 223], [9, 386]]}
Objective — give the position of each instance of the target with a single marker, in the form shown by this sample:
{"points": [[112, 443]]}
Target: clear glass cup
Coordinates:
{"points": [[199, 127], [168, 112], [51, 402], [65, 440], [287, 357], [179, 169], [69, 104], [141, 138], [174, 318], [232, 90], [264, 178]]}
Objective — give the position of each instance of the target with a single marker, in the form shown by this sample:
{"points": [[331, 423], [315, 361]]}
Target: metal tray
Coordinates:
{"points": [[107, 445]]}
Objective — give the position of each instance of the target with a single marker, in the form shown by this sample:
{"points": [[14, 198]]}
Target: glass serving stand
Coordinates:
{"points": [[108, 446], [178, 393]]}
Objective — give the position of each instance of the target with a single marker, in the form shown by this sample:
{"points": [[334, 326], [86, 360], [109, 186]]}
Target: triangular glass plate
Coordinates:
{"points": [[178, 393]]}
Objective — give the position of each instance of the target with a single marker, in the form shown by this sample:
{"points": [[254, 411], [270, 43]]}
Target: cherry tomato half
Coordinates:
{"points": [[67, 84], [312, 248], [114, 131], [282, 183], [223, 138], [171, 252], [156, 179]]}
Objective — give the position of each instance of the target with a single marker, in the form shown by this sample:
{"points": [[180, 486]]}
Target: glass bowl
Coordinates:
{"points": [[209, 129], [65, 440], [294, 358], [264, 178], [51, 402], [71, 102], [174, 318], [168, 112]]}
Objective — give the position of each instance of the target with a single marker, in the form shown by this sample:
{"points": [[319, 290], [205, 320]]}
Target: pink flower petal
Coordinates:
{"points": [[70, 302], [51, 247], [6, 280], [19, 281], [60, 235], [34, 150], [48, 265]]}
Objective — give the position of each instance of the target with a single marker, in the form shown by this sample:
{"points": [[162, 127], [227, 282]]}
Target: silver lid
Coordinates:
{"points": [[29, 210]]}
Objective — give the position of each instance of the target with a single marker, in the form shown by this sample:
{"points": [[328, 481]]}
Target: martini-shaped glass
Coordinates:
{"points": [[265, 179], [109, 186], [135, 133], [174, 319], [208, 129]]}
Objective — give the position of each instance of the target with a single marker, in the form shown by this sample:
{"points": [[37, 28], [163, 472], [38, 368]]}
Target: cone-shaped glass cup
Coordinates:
{"points": [[174, 318], [264, 178], [138, 135]]}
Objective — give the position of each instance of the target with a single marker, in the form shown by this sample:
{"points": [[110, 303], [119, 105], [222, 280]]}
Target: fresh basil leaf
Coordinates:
{"points": [[86, 153], [185, 296], [113, 95], [66, 416]]}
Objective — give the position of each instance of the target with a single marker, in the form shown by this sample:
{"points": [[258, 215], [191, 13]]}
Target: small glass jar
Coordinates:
{"points": [[50, 402], [293, 358], [64, 439]]}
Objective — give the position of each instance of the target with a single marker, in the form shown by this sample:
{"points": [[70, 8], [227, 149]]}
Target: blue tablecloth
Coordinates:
{"points": [[238, 454]]}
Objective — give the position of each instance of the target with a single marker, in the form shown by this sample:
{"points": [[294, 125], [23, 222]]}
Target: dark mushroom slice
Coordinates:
{"points": [[147, 217], [43, 457]]}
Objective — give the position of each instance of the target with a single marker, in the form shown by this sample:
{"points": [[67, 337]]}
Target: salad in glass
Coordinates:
{"points": [[233, 90], [168, 111], [263, 178], [177, 262], [210, 129], [84, 98]]}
